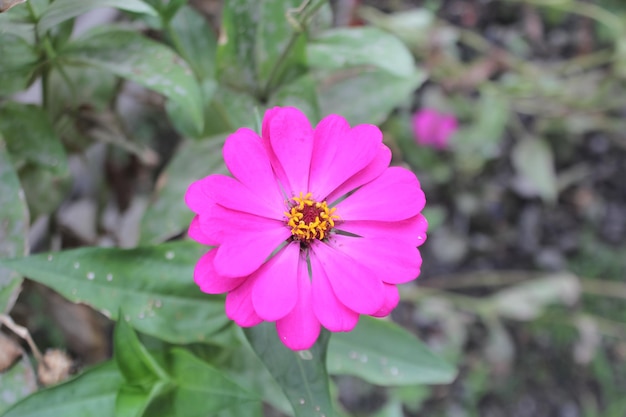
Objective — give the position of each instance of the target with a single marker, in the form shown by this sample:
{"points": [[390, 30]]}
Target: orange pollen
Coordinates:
{"points": [[309, 219]]}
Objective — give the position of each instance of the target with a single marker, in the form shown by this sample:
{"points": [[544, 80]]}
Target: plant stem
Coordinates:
{"points": [[299, 24]]}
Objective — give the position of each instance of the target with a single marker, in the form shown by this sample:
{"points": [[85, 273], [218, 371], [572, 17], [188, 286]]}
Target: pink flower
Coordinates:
{"points": [[434, 129], [313, 228]]}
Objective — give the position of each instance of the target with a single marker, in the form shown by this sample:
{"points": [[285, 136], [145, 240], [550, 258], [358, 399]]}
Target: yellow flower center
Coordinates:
{"points": [[309, 219]]}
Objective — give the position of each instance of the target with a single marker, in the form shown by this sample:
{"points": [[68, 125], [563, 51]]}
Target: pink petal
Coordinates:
{"points": [[340, 152], [291, 138], [394, 195], [275, 290], [373, 170], [243, 256], [333, 315], [209, 281], [299, 329], [354, 285], [246, 240], [447, 127], [433, 128], [198, 197], [228, 192], [411, 230], [390, 260], [247, 159], [425, 124], [220, 224], [267, 119], [196, 233], [392, 297], [277, 168], [239, 306]]}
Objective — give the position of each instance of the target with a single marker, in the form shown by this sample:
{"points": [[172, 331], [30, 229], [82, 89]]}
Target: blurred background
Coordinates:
{"points": [[513, 118]]}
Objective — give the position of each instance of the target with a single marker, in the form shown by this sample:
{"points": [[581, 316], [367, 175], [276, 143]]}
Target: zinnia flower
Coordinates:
{"points": [[434, 129], [313, 228]]}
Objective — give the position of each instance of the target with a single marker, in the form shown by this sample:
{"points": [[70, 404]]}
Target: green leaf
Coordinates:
{"points": [[245, 368], [168, 215], [13, 228], [92, 88], [377, 93], [61, 10], [252, 51], [18, 63], [225, 111], [190, 386], [233, 109], [151, 64], [195, 41], [133, 400], [366, 46], [37, 154], [154, 285], [383, 353], [133, 360], [534, 163], [301, 375], [44, 190], [31, 139], [91, 394], [18, 24], [201, 390], [180, 119], [280, 51], [300, 93], [235, 52]]}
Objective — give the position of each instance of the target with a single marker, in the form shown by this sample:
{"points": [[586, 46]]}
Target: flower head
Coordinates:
{"points": [[312, 229], [434, 129]]}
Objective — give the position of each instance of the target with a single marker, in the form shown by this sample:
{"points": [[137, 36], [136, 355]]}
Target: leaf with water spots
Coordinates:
{"points": [[384, 353], [13, 228], [301, 375], [132, 56], [154, 285]]}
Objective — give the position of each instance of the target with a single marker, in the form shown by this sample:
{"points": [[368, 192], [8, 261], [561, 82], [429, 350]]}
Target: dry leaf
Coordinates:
{"points": [[7, 4]]}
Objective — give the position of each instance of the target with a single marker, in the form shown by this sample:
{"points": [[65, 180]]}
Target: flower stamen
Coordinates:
{"points": [[310, 219]]}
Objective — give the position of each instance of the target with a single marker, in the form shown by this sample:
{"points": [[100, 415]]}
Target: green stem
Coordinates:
{"points": [[50, 55], [304, 13]]}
